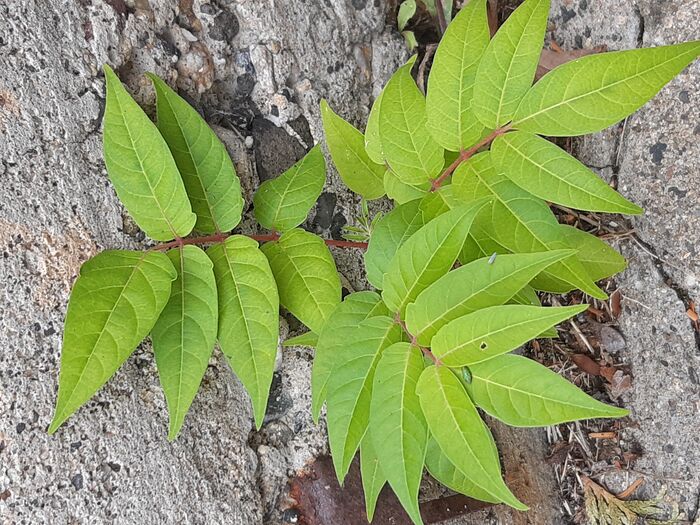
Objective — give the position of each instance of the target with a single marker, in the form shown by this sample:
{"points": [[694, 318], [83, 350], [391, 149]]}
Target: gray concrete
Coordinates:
{"points": [[257, 69]]}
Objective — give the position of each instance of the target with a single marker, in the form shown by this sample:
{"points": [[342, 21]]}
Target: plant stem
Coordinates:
{"points": [[466, 155], [440, 12], [414, 341], [220, 237]]}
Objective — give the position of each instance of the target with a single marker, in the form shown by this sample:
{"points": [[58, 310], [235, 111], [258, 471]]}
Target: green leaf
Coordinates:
{"points": [[335, 334], [518, 222], [523, 393], [114, 304], [451, 120], [406, 11], [400, 192], [528, 297], [594, 92], [350, 387], [373, 142], [507, 69], [597, 257], [284, 202], [548, 172], [399, 430], [460, 433], [347, 147], [185, 333], [476, 285], [206, 168], [248, 315], [427, 255], [490, 332], [373, 479], [141, 167], [409, 149], [307, 280], [309, 339], [447, 474], [390, 232]]}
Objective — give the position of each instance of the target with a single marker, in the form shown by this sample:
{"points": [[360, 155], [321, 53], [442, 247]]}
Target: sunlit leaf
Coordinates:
{"points": [[596, 91], [306, 276], [427, 255], [248, 315], [350, 387], [523, 393], [114, 304], [347, 147], [141, 167], [206, 168], [184, 335], [399, 430], [451, 120], [460, 433], [284, 202]]}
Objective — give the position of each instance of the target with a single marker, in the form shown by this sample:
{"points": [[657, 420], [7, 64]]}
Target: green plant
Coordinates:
{"points": [[403, 371]]}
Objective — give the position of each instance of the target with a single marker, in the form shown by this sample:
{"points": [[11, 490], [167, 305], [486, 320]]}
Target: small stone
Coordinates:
{"points": [[77, 481], [612, 340]]}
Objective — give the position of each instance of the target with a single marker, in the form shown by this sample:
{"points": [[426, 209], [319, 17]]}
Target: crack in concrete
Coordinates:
{"points": [[682, 294]]}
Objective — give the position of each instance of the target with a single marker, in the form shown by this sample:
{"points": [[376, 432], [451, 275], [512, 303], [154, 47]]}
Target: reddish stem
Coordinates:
{"points": [[414, 341], [466, 155], [220, 237]]}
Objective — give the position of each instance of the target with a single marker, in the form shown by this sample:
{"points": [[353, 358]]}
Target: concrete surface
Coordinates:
{"points": [[257, 70]]}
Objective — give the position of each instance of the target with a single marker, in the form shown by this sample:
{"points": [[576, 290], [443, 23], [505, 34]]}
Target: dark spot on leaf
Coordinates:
{"points": [[483, 345], [657, 152]]}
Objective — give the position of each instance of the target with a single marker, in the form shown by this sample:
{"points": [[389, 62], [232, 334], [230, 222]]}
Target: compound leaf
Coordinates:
{"points": [[347, 147], [141, 167], [248, 315], [399, 430], [507, 69], [594, 92], [598, 258], [284, 202], [206, 168], [335, 334], [427, 255], [460, 433], [548, 172], [350, 387], [307, 280], [518, 222], [478, 284], [496, 330], [373, 479], [451, 120], [184, 335], [408, 148], [446, 473], [114, 304], [523, 393], [388, 234]]}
